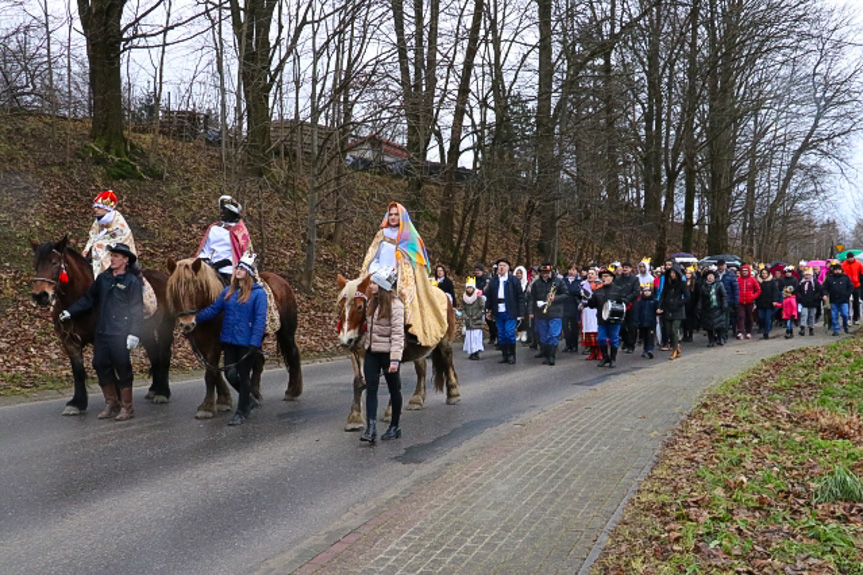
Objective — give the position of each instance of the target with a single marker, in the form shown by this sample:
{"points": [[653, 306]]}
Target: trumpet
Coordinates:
{"points": [[550, 295]]}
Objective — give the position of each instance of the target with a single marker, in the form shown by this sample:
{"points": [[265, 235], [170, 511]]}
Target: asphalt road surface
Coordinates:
{"points": [[165, 493]]}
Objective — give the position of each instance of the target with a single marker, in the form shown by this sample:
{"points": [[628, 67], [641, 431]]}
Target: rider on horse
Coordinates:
{"points": [[225, 241], [398, 245], [109, 227]]}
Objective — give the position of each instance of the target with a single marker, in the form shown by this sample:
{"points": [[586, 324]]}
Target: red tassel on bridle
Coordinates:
{"points": [[64, 277]]}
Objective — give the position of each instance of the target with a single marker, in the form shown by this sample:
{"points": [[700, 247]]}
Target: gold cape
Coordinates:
{"points": [[425, 305]]}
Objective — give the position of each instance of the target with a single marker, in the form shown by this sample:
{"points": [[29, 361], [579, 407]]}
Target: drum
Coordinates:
{"points": [[613, 311]]}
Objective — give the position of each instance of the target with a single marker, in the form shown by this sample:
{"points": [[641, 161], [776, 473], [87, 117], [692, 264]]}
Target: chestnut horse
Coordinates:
{"points": [[63, 276], [352, 302], [192, 287]]}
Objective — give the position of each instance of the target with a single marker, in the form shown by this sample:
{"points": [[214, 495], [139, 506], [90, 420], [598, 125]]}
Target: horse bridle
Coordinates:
{"points": [[59, 273]]}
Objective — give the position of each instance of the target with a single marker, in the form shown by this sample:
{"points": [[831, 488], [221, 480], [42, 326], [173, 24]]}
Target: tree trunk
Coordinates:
{"points": [[546, 176]]}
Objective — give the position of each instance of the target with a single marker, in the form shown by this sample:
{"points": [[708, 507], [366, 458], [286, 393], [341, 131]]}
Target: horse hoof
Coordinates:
{"points": [[201, 414], [453, 400], [223, 407], [71, 410], [354, 427], [160, 400], [290, 398], [386, 418], [150, 396], [414, 406]]}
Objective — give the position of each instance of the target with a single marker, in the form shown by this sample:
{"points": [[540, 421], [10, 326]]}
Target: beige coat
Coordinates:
{"points": [[387, 335]]}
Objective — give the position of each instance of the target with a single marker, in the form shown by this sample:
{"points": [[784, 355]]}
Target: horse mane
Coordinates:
{"points": [[184, 280], [43, 251], [350, 288]]}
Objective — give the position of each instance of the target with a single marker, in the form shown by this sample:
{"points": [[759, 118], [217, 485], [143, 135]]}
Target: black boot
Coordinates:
{"points": [[504, 350], [542, 352], [552, 351], [613, 362], [512, 354], [811, 331], [371, 432], [394, 432], [606, 356], [546, 354]]}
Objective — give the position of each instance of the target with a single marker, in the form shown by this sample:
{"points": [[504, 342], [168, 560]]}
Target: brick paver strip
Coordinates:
{"points": [[537, 498]]}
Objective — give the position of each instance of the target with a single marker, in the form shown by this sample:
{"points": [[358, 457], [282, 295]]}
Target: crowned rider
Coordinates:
{"points": [[110, 227], [225, 241], [398, 245]]}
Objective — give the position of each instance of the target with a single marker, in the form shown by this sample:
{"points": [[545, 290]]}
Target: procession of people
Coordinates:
{"points": [[597, 310]]}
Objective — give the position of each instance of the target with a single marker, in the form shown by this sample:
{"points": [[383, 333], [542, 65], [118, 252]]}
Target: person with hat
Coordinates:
{"points": [[608, 332], [630, 287], [117, 293], [837, 290], [384, 342], [547, 300], [244, 305], [809, 298], [109, 227], [473, 305], [789, 310], [853, 269], [505, 302], [589, 325], [227, 240]]}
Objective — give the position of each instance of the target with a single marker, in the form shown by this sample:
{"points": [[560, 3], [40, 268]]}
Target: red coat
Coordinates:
{"points": [[750, 289], [789, 307], [853, 271]]}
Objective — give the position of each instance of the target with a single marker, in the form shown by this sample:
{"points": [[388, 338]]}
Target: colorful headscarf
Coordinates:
{"points": [[409, 241]]}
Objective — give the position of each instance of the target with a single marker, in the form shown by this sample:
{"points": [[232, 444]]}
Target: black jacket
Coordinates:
{"points": [[446, 286], [714, 305], [809, 293], [482, 282], [602, 294], [538, 291], [674, 298], [644, 312], [513, 296], [629, 288], [770, 294], [119, 300], [838, 288], [573, 289]]}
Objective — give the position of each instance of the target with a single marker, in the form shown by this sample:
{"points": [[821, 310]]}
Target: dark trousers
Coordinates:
{"points": [[240, 374], [744, 318], [765, 319], [373, 366], [492, 330], [855, 300], [111, 361], [648, 337], [672, 327], [570, 331], [629, 332]]}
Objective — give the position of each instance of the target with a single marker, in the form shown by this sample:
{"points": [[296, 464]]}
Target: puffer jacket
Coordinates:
{"points": [[749, 288], [809, 293], [538, 292], [473, 306], [770, 295], [244, 323], [387, 334], [714, 305], [732, 290], [838, 288]]}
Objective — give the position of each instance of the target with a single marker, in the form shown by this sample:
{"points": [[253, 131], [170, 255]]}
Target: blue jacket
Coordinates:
{"points": [[513, 297], [732, 290], [243, 323], [645, 312]]}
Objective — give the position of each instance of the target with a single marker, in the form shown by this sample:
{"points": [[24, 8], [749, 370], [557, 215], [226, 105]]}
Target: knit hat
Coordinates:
{"points": [[107, 200], [385, 278], [249, 262], [229, 203]]}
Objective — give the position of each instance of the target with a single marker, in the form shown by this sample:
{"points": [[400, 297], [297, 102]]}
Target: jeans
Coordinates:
{"points": [[744, 318], [836, 310], [807, 316], [789, 324], [505, 328], [239, 376], [549, 330], [111, 361], [648, 336], [374, 364], [608, 334], [765, 319]]}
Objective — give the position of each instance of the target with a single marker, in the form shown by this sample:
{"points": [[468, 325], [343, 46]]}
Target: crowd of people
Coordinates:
{"points": [[621, 306]]}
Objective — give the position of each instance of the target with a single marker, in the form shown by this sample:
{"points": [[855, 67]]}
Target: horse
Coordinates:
{"points": [[352, 301], [63, 276], [192, 286]]}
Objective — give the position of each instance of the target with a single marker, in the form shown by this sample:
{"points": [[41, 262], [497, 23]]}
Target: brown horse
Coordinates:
{"points": [[63, 276], [352, 302], [192, 287]]}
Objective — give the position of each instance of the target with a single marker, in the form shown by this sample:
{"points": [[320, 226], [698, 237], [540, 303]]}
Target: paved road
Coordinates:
{"points": [[166, 493]]}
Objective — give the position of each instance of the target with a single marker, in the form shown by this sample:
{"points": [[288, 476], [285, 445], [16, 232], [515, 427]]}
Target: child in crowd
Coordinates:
{"points": [[645, 320], [789, 310], [474, 319]]}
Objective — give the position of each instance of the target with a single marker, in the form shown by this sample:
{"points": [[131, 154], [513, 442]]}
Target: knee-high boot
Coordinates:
{"points": [[112, 402], [613, 361], [511, 359], [127, 412], [606, 356], [552, 351]]}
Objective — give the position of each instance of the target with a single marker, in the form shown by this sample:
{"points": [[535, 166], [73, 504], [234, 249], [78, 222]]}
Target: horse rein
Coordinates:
{"points": [[212, 367], [65, 329]]}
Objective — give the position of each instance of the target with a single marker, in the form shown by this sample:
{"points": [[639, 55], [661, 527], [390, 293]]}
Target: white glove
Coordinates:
{"points": [[540, 304], [65, 315], [132, 342]]}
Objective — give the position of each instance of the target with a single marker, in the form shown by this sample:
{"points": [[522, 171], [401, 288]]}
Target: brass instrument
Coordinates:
{"points": [[550, 295]]}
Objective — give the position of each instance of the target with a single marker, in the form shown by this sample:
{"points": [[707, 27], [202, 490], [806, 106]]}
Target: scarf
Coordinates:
{"points": [[409, 241]]}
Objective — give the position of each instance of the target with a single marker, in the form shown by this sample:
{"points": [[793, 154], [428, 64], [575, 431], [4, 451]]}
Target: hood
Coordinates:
{"points": [[680, 274], [645, 278], [746, 268], [523, 276]]}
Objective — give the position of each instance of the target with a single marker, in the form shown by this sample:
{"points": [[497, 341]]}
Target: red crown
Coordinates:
{"points": [[107, 199]]}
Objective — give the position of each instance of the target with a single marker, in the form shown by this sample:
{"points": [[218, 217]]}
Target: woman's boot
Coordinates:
{"points": [[394, 432], [371, 433], [112, 402], [127, 412]]}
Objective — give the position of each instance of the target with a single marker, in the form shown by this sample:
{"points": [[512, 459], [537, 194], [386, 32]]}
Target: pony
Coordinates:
{"points": [[192, 286], [62, 275], [351, 304]]}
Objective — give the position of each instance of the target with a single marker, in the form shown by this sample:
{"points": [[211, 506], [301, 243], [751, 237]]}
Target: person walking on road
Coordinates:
{"points": [[473, 305], [504, 301], [714, 308], [672, 307], [608, 333], [384, 344], [118, 295], [645, 320], [244, 304], [548, 297], [748, 289], [768, 302], [809, 298], [630, 288], [571, 313], [837, 291], [853, 269]]}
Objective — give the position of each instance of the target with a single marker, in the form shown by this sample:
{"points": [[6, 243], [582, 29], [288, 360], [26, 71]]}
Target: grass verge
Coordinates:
{"points": [[762, 477]]}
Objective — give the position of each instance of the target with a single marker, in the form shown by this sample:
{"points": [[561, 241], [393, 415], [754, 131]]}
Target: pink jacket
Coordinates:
{"points": [[789, 307]]}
